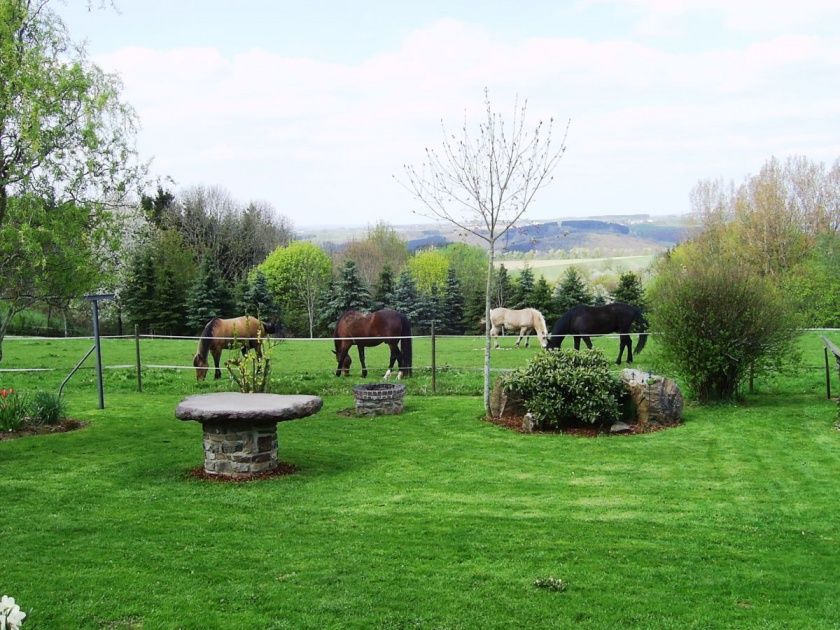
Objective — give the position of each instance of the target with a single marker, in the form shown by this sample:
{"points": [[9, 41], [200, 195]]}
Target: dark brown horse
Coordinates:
{"points": [[583, 321], [370, 329], [220, 333]]}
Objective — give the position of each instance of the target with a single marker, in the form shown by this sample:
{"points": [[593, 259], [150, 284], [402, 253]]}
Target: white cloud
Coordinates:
{"points": [[321, 140]]}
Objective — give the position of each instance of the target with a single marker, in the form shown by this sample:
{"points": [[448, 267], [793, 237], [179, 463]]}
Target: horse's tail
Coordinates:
{"points": [[405, 345], [206, 335], [640, 344]]}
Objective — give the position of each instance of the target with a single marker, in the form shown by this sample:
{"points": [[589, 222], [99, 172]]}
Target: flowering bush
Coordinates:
{"points": [[12, 410], [11, 615]]}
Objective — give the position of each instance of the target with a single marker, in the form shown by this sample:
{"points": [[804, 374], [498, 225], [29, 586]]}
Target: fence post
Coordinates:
{"points": [[752, 375], [827, 375], [434, 366], [137, 348]]}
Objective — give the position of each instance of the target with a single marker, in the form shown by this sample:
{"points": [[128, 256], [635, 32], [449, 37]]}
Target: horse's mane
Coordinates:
{"points": [[541, 320], [206, 334]]}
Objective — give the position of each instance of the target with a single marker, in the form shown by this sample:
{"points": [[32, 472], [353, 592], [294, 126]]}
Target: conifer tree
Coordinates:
{"points": [[453, 305], [207, 298], [524, 289], [427, 311], [543, 301], [383, 295], [258, 301], [169, 313], [138, 294], [630, 290], [571, 291], [347, 292], [405, 296], [502, 290]]}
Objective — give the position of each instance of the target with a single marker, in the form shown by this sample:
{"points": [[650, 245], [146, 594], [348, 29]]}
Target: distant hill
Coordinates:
{"points": [[622, 235]]}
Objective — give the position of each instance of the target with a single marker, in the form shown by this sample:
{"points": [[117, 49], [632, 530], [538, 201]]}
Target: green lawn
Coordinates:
{"points": [[434, 518]]}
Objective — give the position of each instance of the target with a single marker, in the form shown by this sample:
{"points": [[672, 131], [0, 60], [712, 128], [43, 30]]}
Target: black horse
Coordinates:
{"points": [[583, 321], [370, 329]]}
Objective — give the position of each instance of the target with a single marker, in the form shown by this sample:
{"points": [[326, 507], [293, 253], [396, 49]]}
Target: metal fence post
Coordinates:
{"points": [[434, 366], [827, 375], [137, 348]]}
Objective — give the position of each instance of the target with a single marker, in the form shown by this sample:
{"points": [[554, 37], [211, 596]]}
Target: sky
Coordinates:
{"points": [[315, 107]]}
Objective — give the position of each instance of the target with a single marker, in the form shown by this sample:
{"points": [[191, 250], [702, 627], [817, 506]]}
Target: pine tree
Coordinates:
{"points": [[453, 305], [207, 297], [169, 314], [383, 295], [347, 292], [258, 301], [138, 293], [630, 290], [427, 311], [571, 291], [405, 296], [543, 301], [502, 290], [524, 289]]}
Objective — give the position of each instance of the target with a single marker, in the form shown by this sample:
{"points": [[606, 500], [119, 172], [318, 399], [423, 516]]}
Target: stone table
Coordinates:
{"points": [[240, 430]]}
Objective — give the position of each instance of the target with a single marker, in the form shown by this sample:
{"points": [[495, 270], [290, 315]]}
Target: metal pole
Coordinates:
{"points": [[98, 354], [827, 376], [434, 368], [137, 347]]}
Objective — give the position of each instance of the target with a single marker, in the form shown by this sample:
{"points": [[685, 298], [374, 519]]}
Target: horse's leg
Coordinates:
{"points": [[394, 358], [494, 332], [577, 342], [217, 355], [519, 338], [527, 336], [629, 343], [361, 349], [588, 342]]}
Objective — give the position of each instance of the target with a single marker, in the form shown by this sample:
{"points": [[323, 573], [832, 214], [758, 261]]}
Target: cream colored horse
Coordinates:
{"points": [[524, 320]]}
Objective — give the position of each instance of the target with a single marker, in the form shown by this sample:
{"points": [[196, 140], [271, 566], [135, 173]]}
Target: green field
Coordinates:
{"points": [[553, 269], [431, 519]]}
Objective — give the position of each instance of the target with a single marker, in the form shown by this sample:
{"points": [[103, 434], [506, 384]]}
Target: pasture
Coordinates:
{"points": [[434, 518]]}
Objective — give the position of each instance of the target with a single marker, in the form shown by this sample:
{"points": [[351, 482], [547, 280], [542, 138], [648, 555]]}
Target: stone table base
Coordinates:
{"points": [[240, 430]]}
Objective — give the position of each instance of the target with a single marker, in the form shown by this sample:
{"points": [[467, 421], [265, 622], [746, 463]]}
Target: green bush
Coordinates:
{"points": [[12, 410], [718, 319], [563, 386], [46, 408]]}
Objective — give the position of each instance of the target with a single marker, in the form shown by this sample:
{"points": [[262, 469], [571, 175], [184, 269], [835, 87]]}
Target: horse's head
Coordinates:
{"points": [[344, 366], [200, 367], [543, 337], [269, 328]]}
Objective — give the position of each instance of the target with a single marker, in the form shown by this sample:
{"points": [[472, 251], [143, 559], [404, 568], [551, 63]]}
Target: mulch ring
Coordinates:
{"points": [[514, 423], [281, 470], [45, 429]]}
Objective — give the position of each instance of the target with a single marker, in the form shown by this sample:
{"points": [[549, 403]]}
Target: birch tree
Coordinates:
{"points": [[482, 179]]}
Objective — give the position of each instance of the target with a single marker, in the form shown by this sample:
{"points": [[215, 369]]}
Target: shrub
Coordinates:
{"points": [[717, 319], [12, 410], [563, 386], [46, 408], [251, 370]]}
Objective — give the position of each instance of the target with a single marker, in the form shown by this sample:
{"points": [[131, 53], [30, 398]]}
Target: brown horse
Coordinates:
{"points": [[370, 329], [220, 333]]}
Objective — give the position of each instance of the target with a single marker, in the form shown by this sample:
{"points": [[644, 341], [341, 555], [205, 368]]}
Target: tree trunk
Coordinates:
{"points": [[487, 327]]}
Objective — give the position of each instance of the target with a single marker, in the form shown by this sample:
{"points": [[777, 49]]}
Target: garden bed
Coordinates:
{"points": [[515, 423], [44, 429]]}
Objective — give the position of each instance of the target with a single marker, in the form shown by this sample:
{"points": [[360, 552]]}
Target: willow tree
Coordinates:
{"points": [[483, 179], [66, 140]]}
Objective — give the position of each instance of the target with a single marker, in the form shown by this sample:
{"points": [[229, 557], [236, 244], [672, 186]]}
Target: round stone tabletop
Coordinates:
{"points": [[237, 407]]}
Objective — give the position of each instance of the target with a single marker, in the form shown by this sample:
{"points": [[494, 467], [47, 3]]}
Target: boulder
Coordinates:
{"points": [[504, 403], [655, 398]]}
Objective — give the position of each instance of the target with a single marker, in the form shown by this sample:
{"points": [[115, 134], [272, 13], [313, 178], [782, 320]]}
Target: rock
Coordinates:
{"points": [[620, 427], [655, 398], [529, 423], [504, 403], [234, 407]]}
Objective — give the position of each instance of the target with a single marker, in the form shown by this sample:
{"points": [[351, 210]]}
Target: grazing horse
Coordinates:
{"points": [[525, 320], [219, 334], [370, 329], [583, 321]]}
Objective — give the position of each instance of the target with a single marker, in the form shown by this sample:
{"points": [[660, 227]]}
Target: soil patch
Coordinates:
{"points": [[281, 470], [514, 423], [45, 429]]}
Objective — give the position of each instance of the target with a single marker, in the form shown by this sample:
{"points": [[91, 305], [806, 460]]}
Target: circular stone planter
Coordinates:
{"points": [[378, 399], [240, 430]]}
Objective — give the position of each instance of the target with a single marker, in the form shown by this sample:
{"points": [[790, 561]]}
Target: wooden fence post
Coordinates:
{"points": [[827, 375]]}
